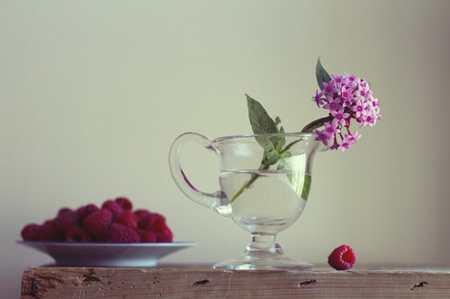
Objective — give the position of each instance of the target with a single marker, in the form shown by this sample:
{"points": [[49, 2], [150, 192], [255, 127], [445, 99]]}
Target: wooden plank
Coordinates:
{"points": [[135, 283]]}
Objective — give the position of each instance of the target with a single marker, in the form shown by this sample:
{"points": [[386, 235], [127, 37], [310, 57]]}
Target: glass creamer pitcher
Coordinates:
{"points": [[264, 186]]}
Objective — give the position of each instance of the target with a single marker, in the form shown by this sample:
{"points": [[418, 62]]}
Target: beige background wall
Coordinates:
{"points": [[92, 94]]}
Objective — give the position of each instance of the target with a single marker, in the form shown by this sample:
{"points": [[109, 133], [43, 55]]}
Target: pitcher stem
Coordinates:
{"points": [[262, 242]]}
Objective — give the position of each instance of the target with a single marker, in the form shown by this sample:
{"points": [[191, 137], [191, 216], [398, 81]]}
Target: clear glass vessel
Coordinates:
{"points": [[262, 190]]}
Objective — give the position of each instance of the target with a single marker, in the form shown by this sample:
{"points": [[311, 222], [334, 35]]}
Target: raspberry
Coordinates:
{"points": [[66, 220], [113, 206], [114, 221], [98, 222], [124, 203], [141, 214], [120, 233], [342, 258], [48, 232], [147, 236], [84, 211], [164, 235], [156, 223], [90, 208], [30, 232], [81, 213], [77, 234], [63, 211], [127, 218], [152, 222]]}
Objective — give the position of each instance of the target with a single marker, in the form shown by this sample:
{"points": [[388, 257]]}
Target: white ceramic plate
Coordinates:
{"points": [[107, 254]]}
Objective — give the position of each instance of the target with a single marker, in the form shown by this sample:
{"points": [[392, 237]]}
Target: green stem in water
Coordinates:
{"points": [[255, 176], [249, 183], [308, 128]]}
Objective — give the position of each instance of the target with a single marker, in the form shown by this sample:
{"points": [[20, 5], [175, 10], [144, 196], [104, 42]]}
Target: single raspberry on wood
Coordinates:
{"points": [[120, 233], [342, 258], [97, 223]]}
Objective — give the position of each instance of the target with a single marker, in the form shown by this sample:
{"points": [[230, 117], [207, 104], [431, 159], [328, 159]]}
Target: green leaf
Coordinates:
{"points": [[277, 120], [271, 157], [281, 141], [321, 74], [260, 120], [262, 123]]}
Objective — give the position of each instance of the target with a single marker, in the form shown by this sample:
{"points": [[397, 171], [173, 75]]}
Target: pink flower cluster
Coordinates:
{"points": [[346, 97]]}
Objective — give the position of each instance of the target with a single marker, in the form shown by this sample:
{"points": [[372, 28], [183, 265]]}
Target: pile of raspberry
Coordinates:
{"points": [[115, 221]]}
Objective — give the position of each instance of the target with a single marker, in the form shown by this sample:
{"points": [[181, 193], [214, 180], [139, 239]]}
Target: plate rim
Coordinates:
{"points": [[108, 244]]}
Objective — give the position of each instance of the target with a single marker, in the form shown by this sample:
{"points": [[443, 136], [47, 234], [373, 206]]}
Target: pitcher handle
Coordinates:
{"points": [[217, 201]]}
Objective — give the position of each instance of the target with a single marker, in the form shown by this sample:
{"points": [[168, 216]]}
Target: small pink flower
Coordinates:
{"points": [[318, 98], [329, 88], [322, 136], [339, 117], [347, 98], [333, 104], [347, 92], [358, 108], [337, 81], [331, 130]]}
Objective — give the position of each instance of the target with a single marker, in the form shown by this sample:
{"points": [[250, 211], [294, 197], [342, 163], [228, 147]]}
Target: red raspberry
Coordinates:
{"points": [[63, 211], [77, 234], [141, 214], [153, 222], [147, 236], [84, 211], [120, 233], [97, 223], [66, 220], [342, 258], [90, 208], [80, 212], [115, 221], [124, 203], [127, 218], [165, 235], [48, 232], [113, 206], [30, 232]]}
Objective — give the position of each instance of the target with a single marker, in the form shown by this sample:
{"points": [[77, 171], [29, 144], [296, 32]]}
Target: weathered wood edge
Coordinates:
{"points": [[134, 283]]}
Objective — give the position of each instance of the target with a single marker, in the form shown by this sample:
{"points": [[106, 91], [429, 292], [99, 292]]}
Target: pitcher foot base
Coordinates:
{"points": [[263, 260]]}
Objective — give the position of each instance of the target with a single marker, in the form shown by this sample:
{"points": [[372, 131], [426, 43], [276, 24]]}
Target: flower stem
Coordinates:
{"points": [[317, 124], [249, 183], [255, 176], [308, 128]]}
